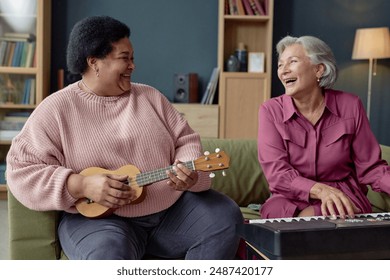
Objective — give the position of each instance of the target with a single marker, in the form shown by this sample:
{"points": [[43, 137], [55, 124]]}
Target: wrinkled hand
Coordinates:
{"points": [[109, 190], [332, 199], [182, 178]]}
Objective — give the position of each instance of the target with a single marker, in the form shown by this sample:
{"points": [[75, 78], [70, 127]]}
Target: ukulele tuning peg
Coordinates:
{"points": [[217, 150], [206, 153], [212, 175], [223, 173]]}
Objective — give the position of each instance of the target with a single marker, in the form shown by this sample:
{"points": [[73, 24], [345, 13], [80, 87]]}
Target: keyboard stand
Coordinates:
{"points": [[252, 253]]}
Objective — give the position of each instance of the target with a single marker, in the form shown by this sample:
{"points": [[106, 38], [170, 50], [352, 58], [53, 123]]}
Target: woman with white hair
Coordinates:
{"points": [[315, 144]]}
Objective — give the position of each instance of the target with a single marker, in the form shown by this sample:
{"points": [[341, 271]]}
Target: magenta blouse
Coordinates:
{"points": [[340, 150]]}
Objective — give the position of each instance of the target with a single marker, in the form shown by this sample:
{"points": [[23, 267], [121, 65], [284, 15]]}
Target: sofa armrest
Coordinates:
{"points": [[380, 202], [32, 234]]}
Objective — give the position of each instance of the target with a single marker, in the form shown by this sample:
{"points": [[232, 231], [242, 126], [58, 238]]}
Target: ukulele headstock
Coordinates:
{"points": [[212, 162]]}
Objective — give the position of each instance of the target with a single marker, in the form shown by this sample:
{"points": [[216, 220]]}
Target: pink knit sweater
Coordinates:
{"points": [[72, 130]]}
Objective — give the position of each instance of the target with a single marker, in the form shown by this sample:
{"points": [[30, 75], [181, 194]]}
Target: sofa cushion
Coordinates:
{"points": [[380, 202], [245, 182], [33, 234]]}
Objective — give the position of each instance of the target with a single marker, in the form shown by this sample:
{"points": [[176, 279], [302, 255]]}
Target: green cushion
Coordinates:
{"points": [[32, 234], [245, 181], [249, 214], [380, 201]]}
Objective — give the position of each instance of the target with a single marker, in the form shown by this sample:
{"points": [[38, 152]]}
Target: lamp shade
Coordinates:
{"points": [[371, 43]]}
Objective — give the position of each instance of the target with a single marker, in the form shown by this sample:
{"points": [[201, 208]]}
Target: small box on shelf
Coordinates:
{"points": [[256, 62]]}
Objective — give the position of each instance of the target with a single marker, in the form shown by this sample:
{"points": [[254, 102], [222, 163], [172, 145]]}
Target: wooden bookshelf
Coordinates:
{"points": [[34, 17], [242, 93]]}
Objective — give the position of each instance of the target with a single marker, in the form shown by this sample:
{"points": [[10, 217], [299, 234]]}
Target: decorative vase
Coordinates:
{"points": [[232, 64]]}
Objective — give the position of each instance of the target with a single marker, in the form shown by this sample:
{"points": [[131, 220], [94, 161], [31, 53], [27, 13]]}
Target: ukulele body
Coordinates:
{"points": [[92, 209], [137, 180]]}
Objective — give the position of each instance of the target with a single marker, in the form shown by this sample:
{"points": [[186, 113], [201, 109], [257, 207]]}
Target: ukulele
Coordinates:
{"points": [[137, 180]]}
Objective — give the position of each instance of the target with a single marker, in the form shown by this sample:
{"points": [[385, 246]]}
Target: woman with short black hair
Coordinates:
{"points": [[107, 121]]}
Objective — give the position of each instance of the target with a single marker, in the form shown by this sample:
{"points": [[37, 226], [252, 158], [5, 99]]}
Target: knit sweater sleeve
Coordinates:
{"points": [[36, 175]]}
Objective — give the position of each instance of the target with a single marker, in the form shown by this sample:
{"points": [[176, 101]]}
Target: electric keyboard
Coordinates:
{"points": [[367, 236]]}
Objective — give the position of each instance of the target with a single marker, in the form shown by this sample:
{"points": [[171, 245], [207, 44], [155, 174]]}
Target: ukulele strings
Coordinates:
{"points": [[142, 179]]}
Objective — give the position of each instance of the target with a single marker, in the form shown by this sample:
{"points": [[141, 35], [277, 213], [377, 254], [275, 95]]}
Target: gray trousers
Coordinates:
{"points": [[198, 226]]}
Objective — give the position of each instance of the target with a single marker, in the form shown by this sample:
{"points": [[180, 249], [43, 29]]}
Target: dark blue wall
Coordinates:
{"points": [[335, 22], [169, 36], [181, 36]]}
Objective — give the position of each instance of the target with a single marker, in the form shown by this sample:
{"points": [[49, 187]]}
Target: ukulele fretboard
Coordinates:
{"points": [[146, 178]]}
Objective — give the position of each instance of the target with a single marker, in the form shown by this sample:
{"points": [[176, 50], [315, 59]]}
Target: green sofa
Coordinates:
{"points": [[33, 234]]}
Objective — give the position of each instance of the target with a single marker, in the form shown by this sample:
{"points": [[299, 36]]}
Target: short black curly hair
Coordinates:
{"points": [[93, 36]]}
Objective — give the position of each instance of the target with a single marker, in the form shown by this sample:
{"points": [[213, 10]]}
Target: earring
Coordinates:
{"points": [[318, 80], [97, 72]]}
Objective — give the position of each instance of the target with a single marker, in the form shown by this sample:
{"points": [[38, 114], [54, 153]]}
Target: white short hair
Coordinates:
{"points": [[318, 52]]}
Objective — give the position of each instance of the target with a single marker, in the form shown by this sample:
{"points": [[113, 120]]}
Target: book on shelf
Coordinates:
{"points": [[19, 36], [8, 135], [257, 7], [28, 92], [3, 50], [23, 56], [30, 55], [16, 116], [232, 7], [266, 7], [11, 39], [32, 92], [15, 119], [240, 8], [208, 96], [3, 166], [11, 124], [246, 7], [10, 54], [260, 7], [16, 52], [214, 86], [226, 7], [17, 89]]}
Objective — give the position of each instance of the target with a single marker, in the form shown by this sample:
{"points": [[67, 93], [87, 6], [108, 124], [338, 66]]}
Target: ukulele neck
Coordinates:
{"points": [[149, 177]]}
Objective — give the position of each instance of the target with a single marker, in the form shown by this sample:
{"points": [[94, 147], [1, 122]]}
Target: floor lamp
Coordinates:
{"points": [[371, 44]]}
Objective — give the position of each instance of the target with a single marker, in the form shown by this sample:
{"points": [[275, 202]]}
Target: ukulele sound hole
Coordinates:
{"points": [[89, 201]]}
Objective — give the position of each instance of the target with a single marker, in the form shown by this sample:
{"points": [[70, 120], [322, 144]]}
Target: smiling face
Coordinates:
{"points": [[297, 73], [116, 68]]}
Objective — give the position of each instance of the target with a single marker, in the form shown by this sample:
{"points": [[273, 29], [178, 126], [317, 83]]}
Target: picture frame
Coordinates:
{"points": [[256, 62]]}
